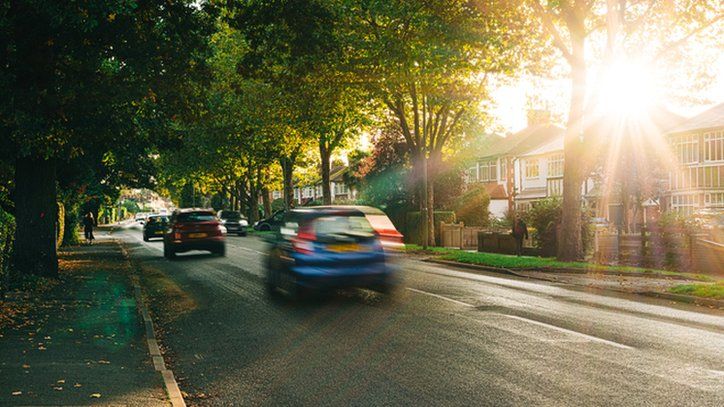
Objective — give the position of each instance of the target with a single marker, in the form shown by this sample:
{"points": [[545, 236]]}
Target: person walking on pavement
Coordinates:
{"points": [[88, 223], [520, 232]]}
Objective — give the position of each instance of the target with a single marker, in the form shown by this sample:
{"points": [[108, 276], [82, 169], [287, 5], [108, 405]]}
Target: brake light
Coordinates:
{"points": [[304, 242]]}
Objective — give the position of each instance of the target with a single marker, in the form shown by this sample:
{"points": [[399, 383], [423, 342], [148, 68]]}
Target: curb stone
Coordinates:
{"points": [[667, 296], [169, 381]]}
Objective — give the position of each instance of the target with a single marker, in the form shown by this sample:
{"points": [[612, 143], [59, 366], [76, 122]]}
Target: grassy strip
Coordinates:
{"points": [[714, 291], [539, 263]]}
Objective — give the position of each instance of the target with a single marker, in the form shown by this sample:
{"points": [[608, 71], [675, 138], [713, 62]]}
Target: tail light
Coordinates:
{"points": [[304, 241]]}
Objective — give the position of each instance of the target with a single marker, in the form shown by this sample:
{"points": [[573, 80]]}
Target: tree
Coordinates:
{"points": [[85, 77], [427, 63], [614, 29]]}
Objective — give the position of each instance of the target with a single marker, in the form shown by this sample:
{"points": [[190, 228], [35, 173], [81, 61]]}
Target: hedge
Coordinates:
{"points": [[412, 228]]}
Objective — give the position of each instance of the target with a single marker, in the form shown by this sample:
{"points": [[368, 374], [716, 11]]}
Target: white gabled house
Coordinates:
{"points": [[304, 194]]}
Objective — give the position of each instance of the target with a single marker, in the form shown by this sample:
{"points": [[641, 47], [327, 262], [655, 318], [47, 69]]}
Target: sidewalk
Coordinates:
{"points": [[82, 342]]}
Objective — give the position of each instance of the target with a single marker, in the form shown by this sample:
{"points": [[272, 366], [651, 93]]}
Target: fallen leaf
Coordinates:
{"points": [[95, 395], [26, 366], [41, 347], [16, 393], [58, 388], [61, 381], [70, 329], [77, 385], [104, 362]]}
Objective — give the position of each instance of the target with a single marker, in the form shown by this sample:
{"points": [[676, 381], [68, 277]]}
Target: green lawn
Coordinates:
{"points": [[715, 291], [537, 263]]}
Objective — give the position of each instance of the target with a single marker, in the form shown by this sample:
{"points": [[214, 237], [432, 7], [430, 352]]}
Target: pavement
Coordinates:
{"points": [[81, 342], [447, 337]]}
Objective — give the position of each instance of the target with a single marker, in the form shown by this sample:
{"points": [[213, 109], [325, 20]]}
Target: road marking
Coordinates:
{"points": [[568, 331], [251, 250], [441, 297]]}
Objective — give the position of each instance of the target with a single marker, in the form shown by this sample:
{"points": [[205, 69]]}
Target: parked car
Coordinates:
{"points": [[193, 229], [233, 222], [390, 237], [271, 223], [327, 248], [140, 218], [155, 227]]}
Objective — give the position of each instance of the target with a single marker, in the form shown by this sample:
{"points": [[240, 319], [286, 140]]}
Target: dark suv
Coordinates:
{"points": [[233, 222], [271, 223], [155, 226], [193, 229]]}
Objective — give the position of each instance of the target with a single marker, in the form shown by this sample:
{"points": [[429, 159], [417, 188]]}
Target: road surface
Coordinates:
{"points": [[448, 337]]}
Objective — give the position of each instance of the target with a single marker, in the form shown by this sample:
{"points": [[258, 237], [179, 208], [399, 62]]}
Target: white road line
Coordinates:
{"points": [[250, 250], [568, 331], [440, 297]]}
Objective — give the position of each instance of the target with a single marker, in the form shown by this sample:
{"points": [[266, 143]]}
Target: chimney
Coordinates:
{"points": [[538, 117]]}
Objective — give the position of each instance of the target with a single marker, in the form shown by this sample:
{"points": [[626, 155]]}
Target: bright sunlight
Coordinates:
{"points": [[625, 89]]}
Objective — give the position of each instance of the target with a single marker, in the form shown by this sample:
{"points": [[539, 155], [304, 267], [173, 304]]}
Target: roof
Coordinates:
{"points": [[708, 119], [495, 191], [554, 145], [524, 140]]}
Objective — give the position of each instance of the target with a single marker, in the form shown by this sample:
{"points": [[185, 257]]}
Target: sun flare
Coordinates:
{"points": [[625, 89]]}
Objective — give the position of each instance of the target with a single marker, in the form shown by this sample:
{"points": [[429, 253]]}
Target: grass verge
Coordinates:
{"points": [[714, 291], [539, 263]]}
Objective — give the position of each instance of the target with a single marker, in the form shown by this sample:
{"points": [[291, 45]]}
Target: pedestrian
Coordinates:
{"points": [[88, 223], [520, 232]]}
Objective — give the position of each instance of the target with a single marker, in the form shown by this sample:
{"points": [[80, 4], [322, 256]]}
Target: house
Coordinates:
{"points": [[341, 191], [696, 181], [521, 168]]}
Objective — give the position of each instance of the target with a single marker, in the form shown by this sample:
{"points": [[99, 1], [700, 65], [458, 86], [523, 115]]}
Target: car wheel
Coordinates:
{"points": [[221, 251], [168, 252], [145, 238], [265, 227], [242, 233]]}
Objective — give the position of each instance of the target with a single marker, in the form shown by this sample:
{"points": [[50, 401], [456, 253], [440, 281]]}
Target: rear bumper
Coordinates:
{"points": [[235, 228], [338, 277], [212, 243]]}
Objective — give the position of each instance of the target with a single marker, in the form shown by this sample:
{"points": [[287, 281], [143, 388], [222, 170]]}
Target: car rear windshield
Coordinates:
{"points": [[195, 217], [230, 215], [342, 225], [155, 219]]}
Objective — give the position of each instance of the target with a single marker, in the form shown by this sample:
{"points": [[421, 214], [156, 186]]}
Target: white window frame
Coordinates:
{"points": [[714, 146], [529, 173], [714, 199], [684, 204], [488, 171], [503, 169], [555, 165], [340, 188], [686, 148]]}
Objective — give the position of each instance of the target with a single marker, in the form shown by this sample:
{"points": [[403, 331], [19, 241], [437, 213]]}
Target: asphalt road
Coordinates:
{"points": [[448, 337]]}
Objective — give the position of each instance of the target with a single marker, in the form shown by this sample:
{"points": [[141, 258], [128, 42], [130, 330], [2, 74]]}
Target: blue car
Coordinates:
{"points": [[317, 249]]}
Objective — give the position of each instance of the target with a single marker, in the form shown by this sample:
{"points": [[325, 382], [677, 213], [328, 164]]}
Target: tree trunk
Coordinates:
{"points": [[287, 174], [266, 201], [420, 177], [35, 215], [325, 155], [570, 246]]}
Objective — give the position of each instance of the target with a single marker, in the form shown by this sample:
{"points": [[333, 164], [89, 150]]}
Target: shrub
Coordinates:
{"points": [[471, 207], [277, 205], [545, 216], [413, 226], [7, 235]]}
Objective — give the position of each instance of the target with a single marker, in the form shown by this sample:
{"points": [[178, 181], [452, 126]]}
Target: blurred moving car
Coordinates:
{"points": [[321, 248], [271, 223], [154, 227], [193, 229], [233, 222], [390, 237]]}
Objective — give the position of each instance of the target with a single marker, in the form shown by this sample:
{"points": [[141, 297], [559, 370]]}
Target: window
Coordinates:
{"points": [[340, 188], [686, 148], [555, 187], [488, 171], [714, 146], [471, 174], [522, 206], [307, 192], [714, 199], [276, 194], [555, 165], [698, 177], [531, 168], [684, 204], [297, 193], [503, 168]]}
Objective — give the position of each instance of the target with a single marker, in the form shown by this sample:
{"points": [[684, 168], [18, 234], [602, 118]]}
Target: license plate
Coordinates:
{"points": [[344, 248], [158, 232], [197, 235]]}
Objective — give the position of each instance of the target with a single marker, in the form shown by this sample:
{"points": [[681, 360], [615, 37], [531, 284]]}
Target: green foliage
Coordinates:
{"points": [[544, 218], [277, 205], [472, 207], [413, 224], [7, 234], [715, 291]]}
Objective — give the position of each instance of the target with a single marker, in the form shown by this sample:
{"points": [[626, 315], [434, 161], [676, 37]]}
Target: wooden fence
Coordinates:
{"points": [[459, 236]]}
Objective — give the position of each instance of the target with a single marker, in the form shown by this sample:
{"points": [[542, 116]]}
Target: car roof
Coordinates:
{"points": [[317, 211], [367, 210], [188, 210]]}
